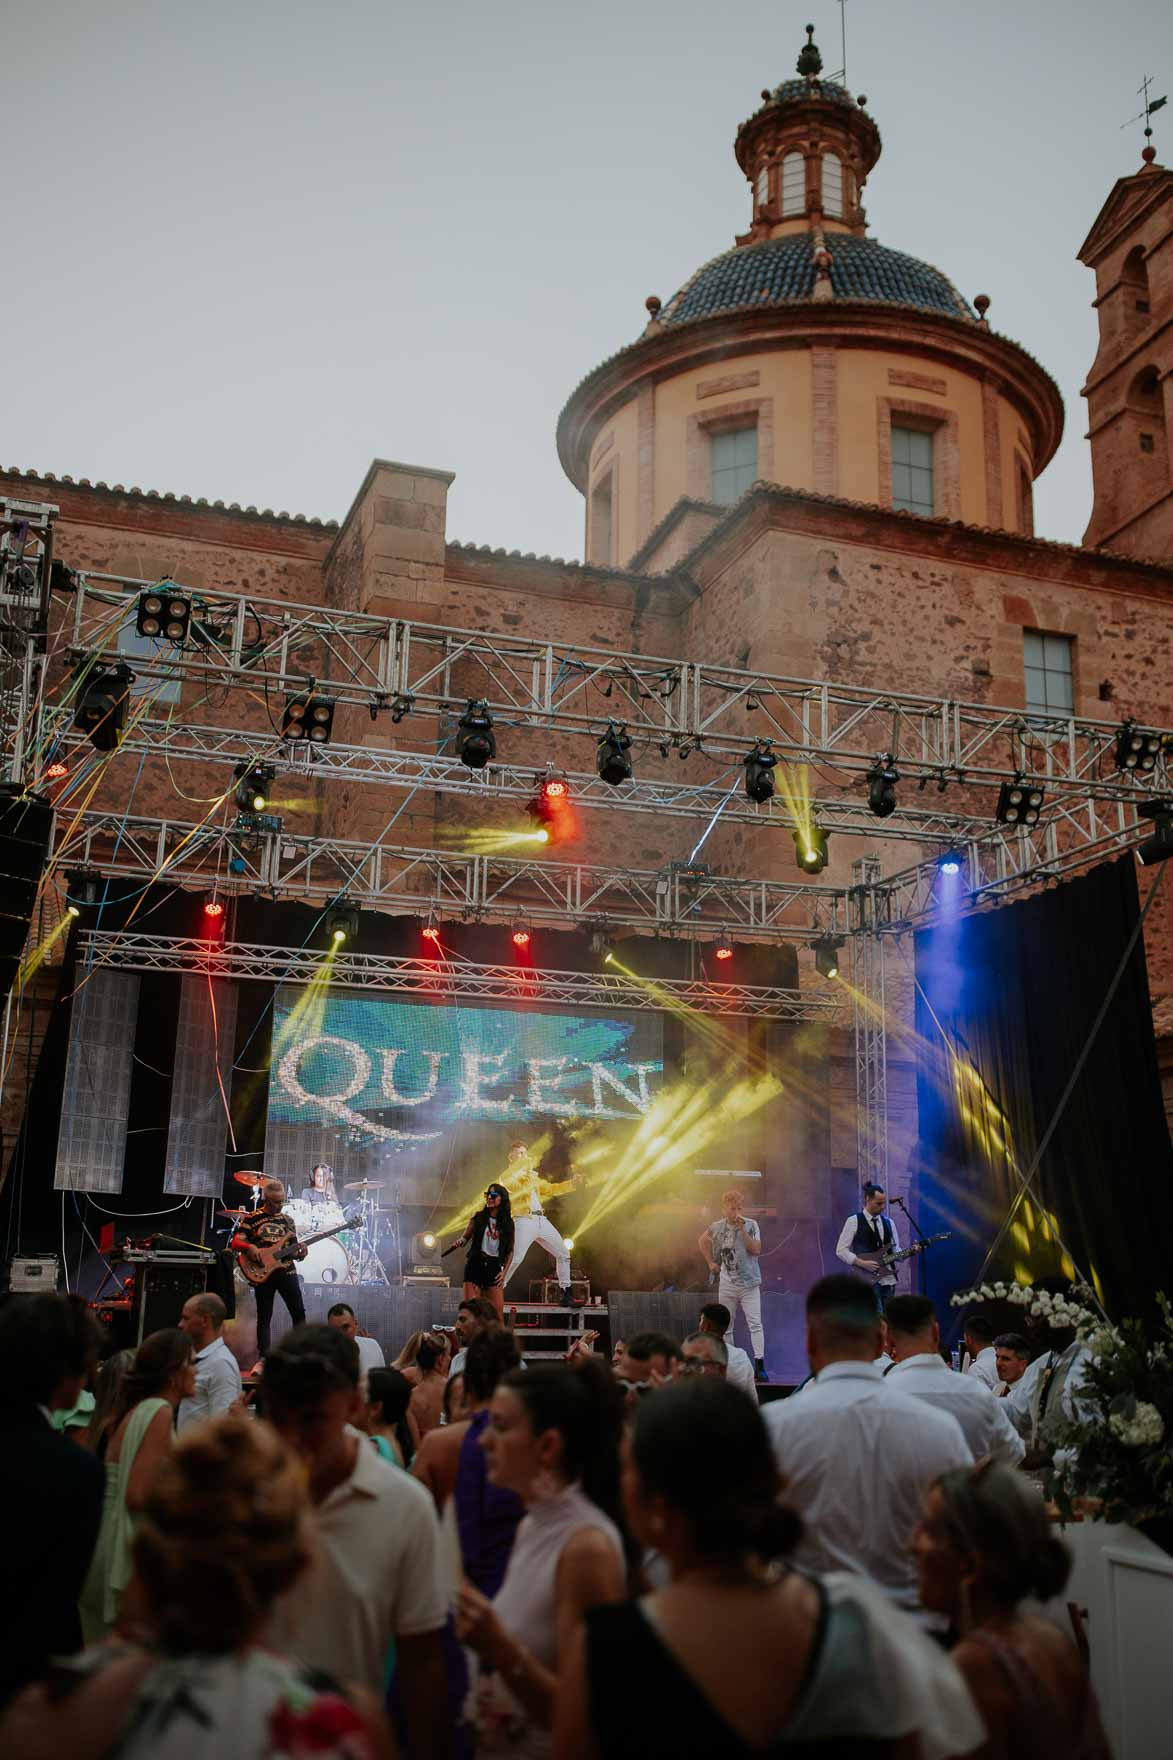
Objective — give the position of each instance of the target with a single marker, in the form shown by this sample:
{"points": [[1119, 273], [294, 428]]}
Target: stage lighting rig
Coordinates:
{"points": [[810, 848], [342, 923], [425, 1258], [550, 807], [1019, 802], [83, 886], [252, 785], [950, 862], [1158, 847], [310, 717], [827, 955], [611, 759], [102, 697], [213, 907], [477, 744], [723, 947], [1136, 751], [882, 779], [759, 771], [521, 936], [164, 613]]}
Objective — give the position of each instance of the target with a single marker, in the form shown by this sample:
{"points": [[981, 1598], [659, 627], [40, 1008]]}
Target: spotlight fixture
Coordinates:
{"points": [[568, 1242], [521, 935], [611, 759], [759, 771], [723, 948], [425, 1252], [432, 934], [252, 785], [213, 907], [810, 848], [1019, 802], [309, 717], [56, 771], [1136, 750], [341, 923], [950, 862], [882, 779], [163, 612], [101, 703], [827, 955], [550, 808], [1158, 847], [83, 886], [477, 743]]}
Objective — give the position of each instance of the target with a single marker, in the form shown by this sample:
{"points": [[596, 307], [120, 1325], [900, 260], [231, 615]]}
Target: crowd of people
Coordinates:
{"points": [[456, 1554]]}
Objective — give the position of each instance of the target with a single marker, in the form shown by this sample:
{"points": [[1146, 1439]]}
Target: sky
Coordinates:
{"points": [[252, 247]]}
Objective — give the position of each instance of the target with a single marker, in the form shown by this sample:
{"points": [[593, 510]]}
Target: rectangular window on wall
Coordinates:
{"points": [[1049, 673], [912, 470], [763, 186], [1026, 508], [793, 183], [602, 523], [733, 464], [832, 186]]}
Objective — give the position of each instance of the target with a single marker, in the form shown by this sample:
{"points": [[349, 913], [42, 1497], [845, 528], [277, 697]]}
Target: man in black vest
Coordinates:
{"points": [[865, 1235]]}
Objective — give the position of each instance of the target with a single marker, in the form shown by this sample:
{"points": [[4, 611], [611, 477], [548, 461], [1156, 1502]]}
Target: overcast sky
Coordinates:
{"points": [[252, 246]]}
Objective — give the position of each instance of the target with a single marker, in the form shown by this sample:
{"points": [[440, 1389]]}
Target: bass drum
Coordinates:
{"points": [[326, 1262]]}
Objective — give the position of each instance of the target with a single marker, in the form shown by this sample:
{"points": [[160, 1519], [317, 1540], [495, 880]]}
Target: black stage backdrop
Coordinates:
{"points": [[1005, 1003]]}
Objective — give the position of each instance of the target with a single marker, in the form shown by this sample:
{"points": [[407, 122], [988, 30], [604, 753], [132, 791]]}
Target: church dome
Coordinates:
{"points": [[783, 271]]}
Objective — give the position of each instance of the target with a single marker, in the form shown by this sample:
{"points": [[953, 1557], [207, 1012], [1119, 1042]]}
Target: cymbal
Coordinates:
{"points": [[362, 1185], [234, 1214], [249, 1179]]}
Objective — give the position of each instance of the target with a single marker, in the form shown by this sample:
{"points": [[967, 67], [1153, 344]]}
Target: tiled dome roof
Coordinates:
{"points": [[782, 270], [806, 89]]}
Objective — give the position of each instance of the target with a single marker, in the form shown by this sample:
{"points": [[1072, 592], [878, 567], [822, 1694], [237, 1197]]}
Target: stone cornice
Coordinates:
{"points": [[1152, 185], [769, 507], [551, 577], [664, 353]]}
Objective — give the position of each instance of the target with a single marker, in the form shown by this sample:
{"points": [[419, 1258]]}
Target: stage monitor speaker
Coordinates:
{"points": [[160, 1292], [26, 821]]}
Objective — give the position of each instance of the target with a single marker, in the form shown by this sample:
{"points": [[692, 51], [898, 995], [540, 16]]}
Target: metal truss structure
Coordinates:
{"points": [[870, 1018], [425, 672], [428, 882], [447, 980], [26, 568]]}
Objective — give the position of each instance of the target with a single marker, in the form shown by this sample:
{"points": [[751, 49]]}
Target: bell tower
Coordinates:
{"points": [[1129, 390]]}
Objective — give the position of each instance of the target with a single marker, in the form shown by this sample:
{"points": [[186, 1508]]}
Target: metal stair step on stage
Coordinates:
{"points": [[549, 1322]]}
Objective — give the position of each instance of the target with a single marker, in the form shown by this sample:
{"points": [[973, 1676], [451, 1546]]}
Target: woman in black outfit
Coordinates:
{"points": [[489, 1238], [738, 1656]]}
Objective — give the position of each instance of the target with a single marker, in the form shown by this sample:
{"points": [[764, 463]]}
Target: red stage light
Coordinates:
{"points": [[724, 952], [213, 908], [431, 934], [521, 938], [56, 771], [556, 791]]}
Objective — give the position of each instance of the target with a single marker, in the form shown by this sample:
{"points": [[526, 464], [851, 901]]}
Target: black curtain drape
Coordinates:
{"points": [[1005, 1003]]}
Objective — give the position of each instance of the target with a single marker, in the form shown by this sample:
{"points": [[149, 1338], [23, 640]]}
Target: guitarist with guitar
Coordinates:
{"points": [[866, 1238], [257, 1235]]}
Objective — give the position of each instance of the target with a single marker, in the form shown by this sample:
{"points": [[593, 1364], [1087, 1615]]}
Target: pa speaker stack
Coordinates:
{"points": [[26, 821]]}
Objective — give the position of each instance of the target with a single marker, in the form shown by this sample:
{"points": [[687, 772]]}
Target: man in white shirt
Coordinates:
{"points": [[217, 1385], [732, 1245], [864, 1236], [376, 1573], [978, 1336], [914, 1339], [472, 1316], [1012, 1357], [370, 1351], [856, 1455], [716, 1318]]}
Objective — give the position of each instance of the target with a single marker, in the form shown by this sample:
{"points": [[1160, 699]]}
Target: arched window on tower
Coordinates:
{"points": [[762, 190], [793, 184], [1144, 400], [832, 186], [1134, 274]]}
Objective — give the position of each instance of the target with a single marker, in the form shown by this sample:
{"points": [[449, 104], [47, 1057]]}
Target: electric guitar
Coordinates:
{"points": [[258, 1264], [880, 1262]]}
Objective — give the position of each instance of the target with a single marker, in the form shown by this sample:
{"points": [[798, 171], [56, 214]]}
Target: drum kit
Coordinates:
{"points": [[351, 1257]]}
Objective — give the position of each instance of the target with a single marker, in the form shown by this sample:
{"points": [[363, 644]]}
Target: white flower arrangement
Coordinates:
{"points": [[1059, 1311], [1144, 1429]]}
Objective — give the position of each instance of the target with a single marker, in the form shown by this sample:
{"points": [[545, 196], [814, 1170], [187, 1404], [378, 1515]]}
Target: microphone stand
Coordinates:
{"points": [[915, 1226]]}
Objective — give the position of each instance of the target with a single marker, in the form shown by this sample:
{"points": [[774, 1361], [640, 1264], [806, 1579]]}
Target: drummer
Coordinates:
{"points": [[321, 1191]]}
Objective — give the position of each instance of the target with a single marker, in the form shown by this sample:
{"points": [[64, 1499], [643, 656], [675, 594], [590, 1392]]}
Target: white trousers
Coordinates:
{"points": [[750, 1303], [530, 1228]]}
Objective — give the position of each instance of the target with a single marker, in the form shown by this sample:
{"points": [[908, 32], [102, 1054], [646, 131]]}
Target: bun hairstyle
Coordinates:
{"points": [[155, 1362], [222, 1535], [996, 1514], [870, 1189], [675, 1439]]}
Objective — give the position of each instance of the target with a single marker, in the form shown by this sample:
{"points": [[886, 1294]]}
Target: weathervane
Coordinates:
{"points": [[1151, 105]]}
